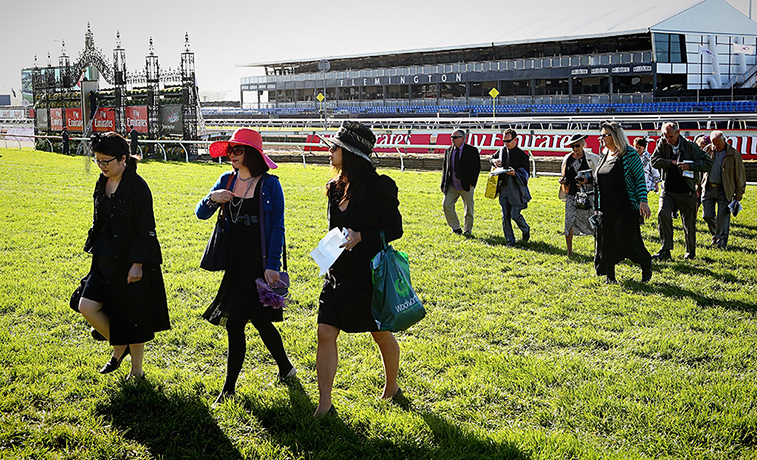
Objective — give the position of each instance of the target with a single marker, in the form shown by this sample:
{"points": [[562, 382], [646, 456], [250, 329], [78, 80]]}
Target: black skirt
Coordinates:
{"points": [[136, 311]]}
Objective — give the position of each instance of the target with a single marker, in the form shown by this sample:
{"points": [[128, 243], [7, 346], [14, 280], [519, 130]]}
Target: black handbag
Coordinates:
{"points": [[216, 251], [76, 295]]}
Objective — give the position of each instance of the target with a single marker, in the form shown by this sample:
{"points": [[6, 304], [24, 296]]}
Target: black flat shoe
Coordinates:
{"points": [[114, 363], [96, 335], [329, 413]]}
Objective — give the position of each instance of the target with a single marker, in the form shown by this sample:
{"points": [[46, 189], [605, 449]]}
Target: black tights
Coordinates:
{"points": [[238, 347]]}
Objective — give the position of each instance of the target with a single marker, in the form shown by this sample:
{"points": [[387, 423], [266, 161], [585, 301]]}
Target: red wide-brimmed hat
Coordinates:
{"points": [[242, 136]]}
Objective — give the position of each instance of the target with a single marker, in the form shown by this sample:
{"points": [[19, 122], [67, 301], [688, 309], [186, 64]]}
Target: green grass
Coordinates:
{"points": [[523, 353]]}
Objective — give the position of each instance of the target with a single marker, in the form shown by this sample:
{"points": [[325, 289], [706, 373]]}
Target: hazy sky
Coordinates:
{"points": [[224, 33]]}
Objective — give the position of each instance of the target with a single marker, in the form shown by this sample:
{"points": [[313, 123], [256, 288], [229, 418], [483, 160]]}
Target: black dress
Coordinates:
{"points": [[123, 233], [345, 300], [237, 300], [618, 232]]}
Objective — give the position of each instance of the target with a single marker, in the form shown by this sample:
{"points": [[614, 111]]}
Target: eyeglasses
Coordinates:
{"points": [[333, 148], [456, 137], [102, 162], [508, 140], [235, 150]]}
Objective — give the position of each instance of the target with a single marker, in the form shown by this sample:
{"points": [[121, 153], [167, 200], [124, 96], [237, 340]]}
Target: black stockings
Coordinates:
{"points": [[238, 347]]}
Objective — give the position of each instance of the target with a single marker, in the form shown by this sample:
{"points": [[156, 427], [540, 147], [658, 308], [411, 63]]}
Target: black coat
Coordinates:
{"points": [[132, 221], [136, 310], [467, 169]]}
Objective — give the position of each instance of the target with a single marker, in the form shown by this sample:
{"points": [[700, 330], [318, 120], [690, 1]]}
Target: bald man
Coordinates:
{"points": [[680, 161], [725, 182]]}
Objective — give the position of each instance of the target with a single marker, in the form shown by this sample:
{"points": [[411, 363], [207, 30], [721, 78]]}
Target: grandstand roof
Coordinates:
{"points": [[567, 21]]}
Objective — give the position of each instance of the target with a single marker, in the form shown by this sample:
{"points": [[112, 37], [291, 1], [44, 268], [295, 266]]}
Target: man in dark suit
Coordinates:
{"points": [[460, 170], [134, 140], [680, 161], [513, 186]]}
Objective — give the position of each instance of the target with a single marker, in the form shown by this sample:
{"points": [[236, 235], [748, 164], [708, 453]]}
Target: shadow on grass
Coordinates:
{"points": [[332, 437], [672, 290], [536, 246], [170, 426]]}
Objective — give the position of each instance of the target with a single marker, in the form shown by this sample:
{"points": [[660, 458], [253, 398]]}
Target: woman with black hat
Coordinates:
{"points": [[365, 204], [253, 203], [124, 298], [577, 179]]}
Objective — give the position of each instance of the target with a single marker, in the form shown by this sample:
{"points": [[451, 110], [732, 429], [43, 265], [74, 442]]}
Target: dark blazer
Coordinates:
{"points": [[664, 155], [467, 169]]}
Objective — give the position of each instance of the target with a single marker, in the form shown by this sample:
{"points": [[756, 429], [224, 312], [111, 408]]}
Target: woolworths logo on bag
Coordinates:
{"points": [[407, 304], [402, 287]]}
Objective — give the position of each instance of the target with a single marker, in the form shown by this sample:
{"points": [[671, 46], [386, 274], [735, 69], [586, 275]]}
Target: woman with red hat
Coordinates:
{"points": [[248, 194], [365, 204]]}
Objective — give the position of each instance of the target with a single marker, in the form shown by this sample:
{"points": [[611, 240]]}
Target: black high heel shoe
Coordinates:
{"points": [[114, 362]]}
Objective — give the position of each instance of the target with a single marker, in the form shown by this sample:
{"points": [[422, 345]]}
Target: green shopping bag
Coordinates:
{"points": [[395, 306]]}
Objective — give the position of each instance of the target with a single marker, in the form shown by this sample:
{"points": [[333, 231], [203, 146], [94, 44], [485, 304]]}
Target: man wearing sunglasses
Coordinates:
{"points": [[513, 186], [460, 170]]}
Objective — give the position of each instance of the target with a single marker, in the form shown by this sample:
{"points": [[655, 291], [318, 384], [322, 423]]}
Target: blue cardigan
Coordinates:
{"points": [[273, 214]]}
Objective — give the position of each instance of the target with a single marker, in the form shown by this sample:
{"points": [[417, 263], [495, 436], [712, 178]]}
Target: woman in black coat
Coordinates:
{"points": [[124, 298], [365, 204]]}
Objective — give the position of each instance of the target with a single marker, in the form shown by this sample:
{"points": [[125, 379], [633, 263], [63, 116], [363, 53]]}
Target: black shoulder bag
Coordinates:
{"points": [[216, 251]]}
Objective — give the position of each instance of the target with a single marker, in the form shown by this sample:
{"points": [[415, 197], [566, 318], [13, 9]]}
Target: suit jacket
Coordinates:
{"points": [[663, 156], [733, 172], [518, 184], [466, 170]]}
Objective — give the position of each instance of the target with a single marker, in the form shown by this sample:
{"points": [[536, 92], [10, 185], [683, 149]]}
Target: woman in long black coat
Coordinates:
{"points": [[124, 298], [365, 204]]}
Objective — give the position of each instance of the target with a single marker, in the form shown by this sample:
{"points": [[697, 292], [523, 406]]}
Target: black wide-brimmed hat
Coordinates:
{"points": [[354, 137], [575, 138]]}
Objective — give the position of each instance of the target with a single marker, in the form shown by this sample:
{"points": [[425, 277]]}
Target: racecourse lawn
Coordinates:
{"points": [[524, 353]]}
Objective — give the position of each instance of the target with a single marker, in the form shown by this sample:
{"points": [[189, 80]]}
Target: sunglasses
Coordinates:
{"points": [[575, 146], [457, 137], [508, 140], [605, 135], [333, 148], [235, 150]]}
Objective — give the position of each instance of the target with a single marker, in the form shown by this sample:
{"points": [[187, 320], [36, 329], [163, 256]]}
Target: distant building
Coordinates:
{"points": [[625, 52]]}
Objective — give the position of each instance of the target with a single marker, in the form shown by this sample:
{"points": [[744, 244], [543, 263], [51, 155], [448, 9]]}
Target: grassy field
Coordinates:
{"points": [[524, 354]]}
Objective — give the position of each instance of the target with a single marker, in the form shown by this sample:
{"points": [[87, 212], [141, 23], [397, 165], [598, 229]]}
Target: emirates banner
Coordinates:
{"points": [[544, 143], [171, 119], [136, 117], [73, 120], [56, 119], [42, 119], [105, 119]]}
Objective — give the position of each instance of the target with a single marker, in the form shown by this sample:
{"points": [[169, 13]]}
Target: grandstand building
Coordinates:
{"points": [[640, 56]]}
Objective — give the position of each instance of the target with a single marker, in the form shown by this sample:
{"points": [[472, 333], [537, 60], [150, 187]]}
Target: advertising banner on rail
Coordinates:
{"points": [[544, 143], [42, 119], [136, 117], [171, 119], [105, 119], [12, 113], [56, 119], [73, 120]]}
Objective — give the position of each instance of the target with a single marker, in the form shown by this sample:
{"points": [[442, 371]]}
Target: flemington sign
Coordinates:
{"points": [[539, 143]]}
